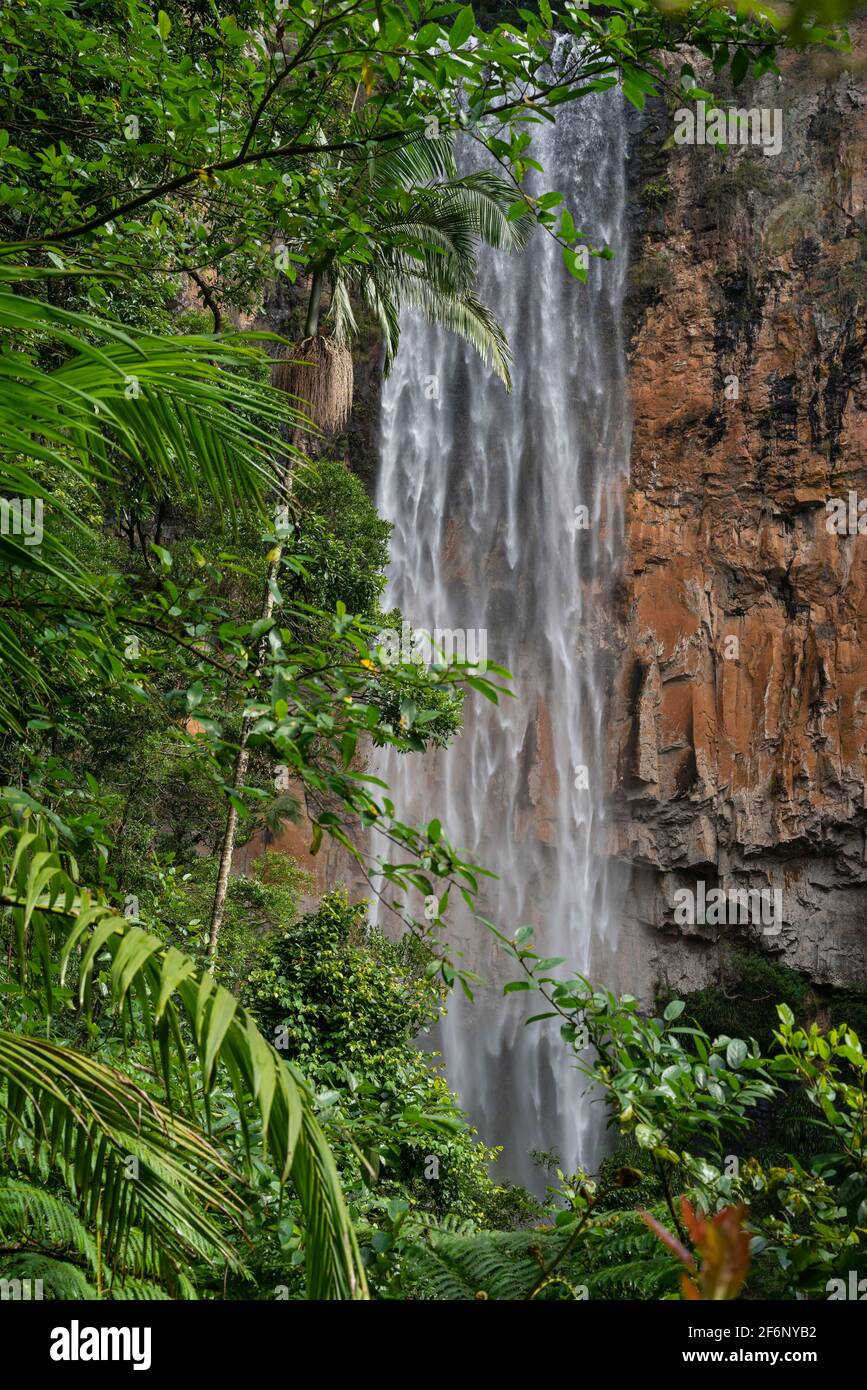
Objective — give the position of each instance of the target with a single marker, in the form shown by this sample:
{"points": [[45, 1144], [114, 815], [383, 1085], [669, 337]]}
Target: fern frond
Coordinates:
{"points": [[59, 1278], [32, 1214], [501, 1265]]}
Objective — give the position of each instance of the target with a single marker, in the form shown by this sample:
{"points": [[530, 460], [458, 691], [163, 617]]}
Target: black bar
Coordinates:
{"points": [[255, 1338]]}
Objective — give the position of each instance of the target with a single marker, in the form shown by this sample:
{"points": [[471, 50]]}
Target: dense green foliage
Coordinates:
{"points": [[346, 1004], [192, 637], [680, 1095]]}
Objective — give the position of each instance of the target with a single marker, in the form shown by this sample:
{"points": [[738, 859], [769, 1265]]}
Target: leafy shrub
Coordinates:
{"points": [[347, 1005], [656, 192]]}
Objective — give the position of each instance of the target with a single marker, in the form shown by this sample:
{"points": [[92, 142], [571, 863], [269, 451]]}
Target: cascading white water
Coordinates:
{"points": [[482, 488]]}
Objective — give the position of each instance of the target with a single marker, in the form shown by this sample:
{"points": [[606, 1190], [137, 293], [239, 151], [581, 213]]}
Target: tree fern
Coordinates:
{"points": [[621, 1258], [138, 1290], [614, 1257]]}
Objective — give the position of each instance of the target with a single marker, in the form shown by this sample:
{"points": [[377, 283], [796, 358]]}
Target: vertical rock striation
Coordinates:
{"points": [[739, 716]]}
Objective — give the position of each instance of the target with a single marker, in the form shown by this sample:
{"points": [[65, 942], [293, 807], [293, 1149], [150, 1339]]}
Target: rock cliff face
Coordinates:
{"points": [[739, 713]]}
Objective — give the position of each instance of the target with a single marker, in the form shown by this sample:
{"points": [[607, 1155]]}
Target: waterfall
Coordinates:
{"points": [[484, 490]]}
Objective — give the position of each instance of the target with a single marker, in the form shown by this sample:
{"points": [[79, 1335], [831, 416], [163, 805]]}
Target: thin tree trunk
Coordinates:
{"points": [[242, 758], [228, 848], [311, 327], [239, 772]]}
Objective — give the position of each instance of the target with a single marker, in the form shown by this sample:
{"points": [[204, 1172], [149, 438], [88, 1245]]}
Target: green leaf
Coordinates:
{"points": [[88, 1118], [573, 265], [740, 66], [465, 23], [633, 93], [646, 1137], [736, 1053]]}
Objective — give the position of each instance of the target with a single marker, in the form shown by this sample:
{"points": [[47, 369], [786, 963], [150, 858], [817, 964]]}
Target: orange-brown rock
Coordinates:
{"points": [[739, 727]]}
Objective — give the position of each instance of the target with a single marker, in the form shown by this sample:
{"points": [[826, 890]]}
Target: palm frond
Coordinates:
{"points": [[483, 199], [387, 315], [465, 315], [161, 417], [341, 312], [435, 247], [427, 246], [162, 989], [411, 165], [179, 411], [33, 1216], [129, 1162]]}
